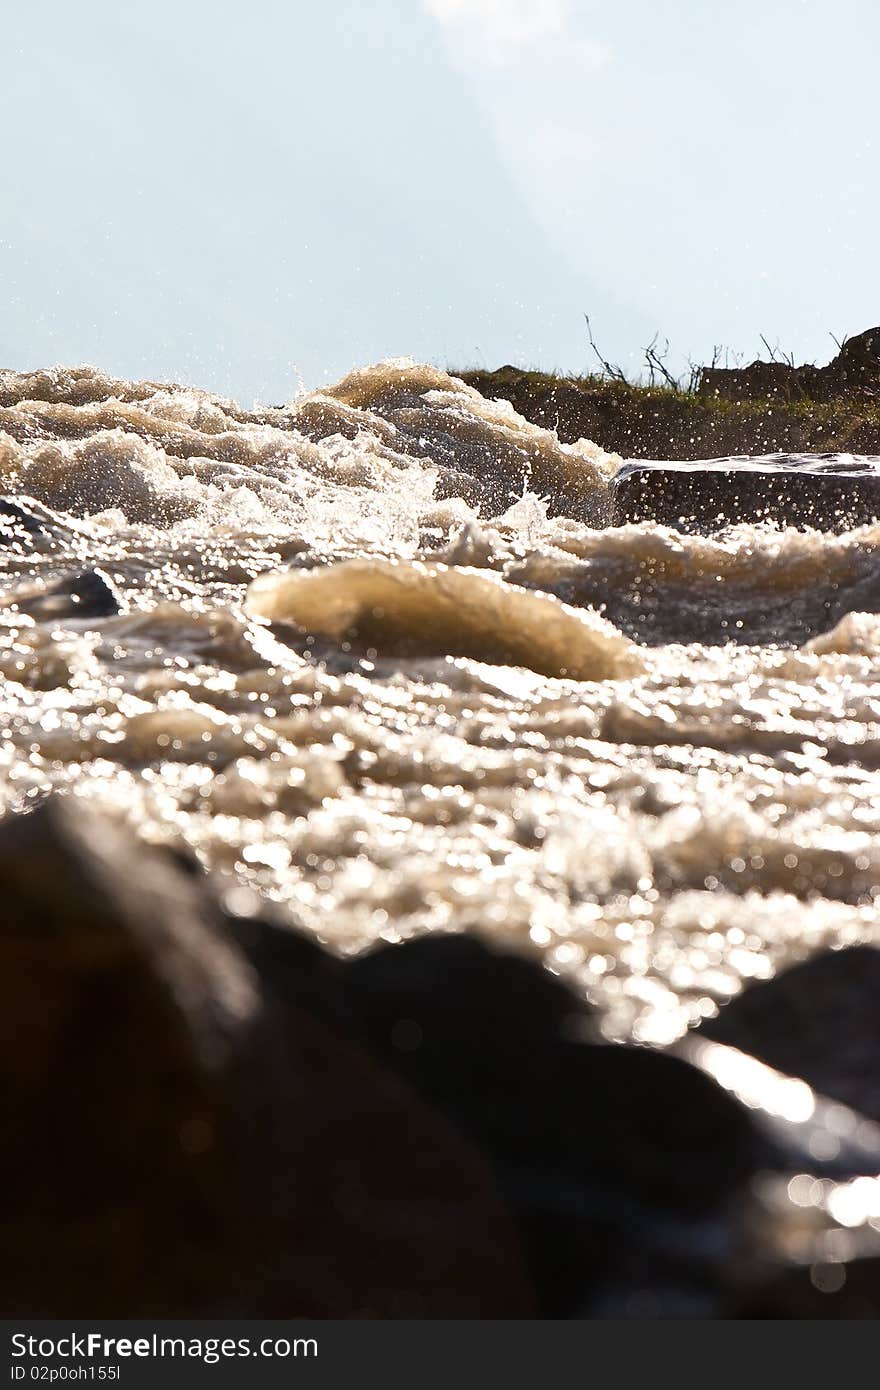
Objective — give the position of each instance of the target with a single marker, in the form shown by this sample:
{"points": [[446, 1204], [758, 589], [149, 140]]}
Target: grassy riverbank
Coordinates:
{"points": [[661, 422]]}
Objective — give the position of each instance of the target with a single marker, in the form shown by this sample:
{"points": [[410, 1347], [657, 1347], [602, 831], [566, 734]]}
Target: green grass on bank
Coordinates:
{"points": [[664, 422]]}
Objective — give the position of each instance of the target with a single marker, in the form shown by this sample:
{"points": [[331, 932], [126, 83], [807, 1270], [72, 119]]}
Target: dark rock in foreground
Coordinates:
{"points": [[294, 969], [210, 1115], [706, 498], [819, 1020], [502, 1048], [179, 1144], [627, 1169], [612, 1159]]}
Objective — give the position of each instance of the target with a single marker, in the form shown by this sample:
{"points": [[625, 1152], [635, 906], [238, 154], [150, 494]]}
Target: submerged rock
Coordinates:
{"points": [[830, 496], [184, 1144], [91, 594], [22, 520]]}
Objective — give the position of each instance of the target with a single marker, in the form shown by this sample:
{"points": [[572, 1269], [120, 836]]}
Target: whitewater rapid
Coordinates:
{"points": [[381, 660]]}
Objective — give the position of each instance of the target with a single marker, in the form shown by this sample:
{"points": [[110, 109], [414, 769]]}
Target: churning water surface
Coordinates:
{"points": [[381, 658]]}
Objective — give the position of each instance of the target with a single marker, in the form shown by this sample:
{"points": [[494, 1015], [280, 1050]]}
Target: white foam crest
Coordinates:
{"points": [[86, 443]]}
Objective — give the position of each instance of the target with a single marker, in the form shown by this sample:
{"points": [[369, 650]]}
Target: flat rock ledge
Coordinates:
{"points": [[834, 493]]}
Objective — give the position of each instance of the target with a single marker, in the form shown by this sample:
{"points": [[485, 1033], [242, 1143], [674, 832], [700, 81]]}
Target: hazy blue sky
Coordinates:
{"points": [[238, 194]]}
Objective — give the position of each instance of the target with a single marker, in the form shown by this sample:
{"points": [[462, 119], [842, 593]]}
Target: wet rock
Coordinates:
{"points": [[630, 1172], [611, 1158], [819, 1020], [22, 521], [91, 594], [295, 969], [801, 1129], [470, 999], [184, 1144], [706, 498], [509, 1051]]}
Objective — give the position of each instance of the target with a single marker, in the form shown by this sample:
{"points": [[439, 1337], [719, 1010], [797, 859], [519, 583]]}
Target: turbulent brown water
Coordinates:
{"points": [[382, 660]]}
